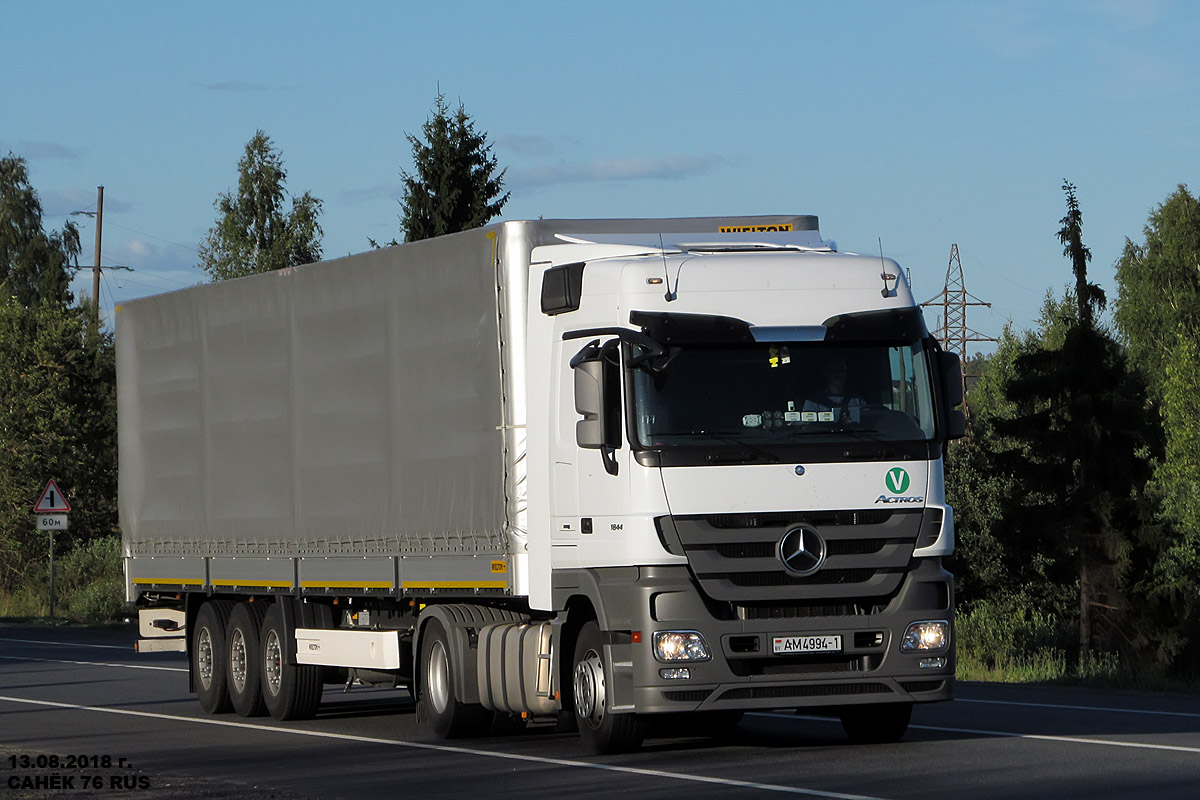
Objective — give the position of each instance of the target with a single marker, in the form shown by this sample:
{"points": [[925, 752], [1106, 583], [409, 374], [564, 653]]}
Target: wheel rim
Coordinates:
{"points": [[437, 677], [204, 658], [237, 660], [273, 657], [589, 689]]}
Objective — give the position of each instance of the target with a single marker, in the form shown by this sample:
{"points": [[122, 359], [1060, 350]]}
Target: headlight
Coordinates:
{"points": [[926, 635], [680, 646]]}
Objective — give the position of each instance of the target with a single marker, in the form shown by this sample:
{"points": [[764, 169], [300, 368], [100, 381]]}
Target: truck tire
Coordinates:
{"points": [[244, 653], [602, 731], [876, 724], [449, 717], [289, 691], [208, 656]]}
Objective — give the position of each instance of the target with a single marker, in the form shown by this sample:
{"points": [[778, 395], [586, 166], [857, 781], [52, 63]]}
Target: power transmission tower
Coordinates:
{"points": [[952, 330]]}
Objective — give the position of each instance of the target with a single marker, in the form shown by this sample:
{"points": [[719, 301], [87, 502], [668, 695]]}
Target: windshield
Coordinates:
{"points": [[756, 395]]}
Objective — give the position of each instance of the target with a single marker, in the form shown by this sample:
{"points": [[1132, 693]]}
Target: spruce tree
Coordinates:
{"points": [[1080, 440], [454, 186]]}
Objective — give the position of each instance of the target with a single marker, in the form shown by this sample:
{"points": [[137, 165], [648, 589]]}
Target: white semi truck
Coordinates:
{"points": [[593, 471]]}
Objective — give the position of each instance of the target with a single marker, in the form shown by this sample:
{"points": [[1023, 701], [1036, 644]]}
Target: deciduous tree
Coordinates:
{"points": [[253, 233], [1159, 289], [35, 264]]}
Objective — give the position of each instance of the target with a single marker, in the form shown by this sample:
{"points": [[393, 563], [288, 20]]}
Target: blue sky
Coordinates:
{"points": [[918, 124]]}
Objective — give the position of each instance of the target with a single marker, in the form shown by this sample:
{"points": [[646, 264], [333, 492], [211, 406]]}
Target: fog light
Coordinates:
{"points": [[931, 663], [926, 635], [680, 646], [675, 673]]}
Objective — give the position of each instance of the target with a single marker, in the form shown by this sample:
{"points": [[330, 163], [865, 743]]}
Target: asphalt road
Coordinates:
{"points": [[81, 695]]}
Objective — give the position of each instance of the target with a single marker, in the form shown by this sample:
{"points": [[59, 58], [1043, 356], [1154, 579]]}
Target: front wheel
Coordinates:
{"points": [[601, 730], [876, 724]]}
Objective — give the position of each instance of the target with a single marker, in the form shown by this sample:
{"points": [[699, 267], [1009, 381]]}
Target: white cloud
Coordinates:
{"points": [[234, 86], [31, 149], [627, 169], [534, 145], [380, 191]]}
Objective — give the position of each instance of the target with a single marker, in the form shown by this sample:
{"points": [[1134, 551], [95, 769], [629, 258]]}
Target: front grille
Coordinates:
{"points": [[846, 547], [688, 695], [787, 579], [870, 516], [781, 611], [775, 692], [734, 557]]}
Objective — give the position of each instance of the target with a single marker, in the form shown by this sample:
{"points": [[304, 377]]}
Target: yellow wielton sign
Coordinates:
{"points": [[787, 226]]}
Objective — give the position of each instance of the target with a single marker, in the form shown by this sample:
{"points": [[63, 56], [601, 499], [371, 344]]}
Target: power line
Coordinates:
{"points": [[952, 330]]}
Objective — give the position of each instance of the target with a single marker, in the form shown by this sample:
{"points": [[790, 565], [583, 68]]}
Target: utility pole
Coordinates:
{"points": [[96, 269]]}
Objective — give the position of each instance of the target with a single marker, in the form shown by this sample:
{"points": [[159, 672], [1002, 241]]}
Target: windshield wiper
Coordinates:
{"points": [[857, 433], [728, 439]]}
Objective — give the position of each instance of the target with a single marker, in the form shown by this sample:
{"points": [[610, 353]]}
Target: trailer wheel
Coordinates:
{"points": [[289, 691], [208, 656], [876, 724], [243, 651], [449, 717], [602, 731]]}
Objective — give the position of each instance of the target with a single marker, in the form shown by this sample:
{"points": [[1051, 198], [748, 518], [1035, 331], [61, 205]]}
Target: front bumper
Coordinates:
{"points": [[744, 673]]}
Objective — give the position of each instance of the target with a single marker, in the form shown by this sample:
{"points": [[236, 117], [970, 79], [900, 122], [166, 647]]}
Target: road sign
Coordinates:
{"points": [[52, 500], [52, 522]]}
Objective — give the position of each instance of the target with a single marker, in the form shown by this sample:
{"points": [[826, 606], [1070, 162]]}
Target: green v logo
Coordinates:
{"points": [[897, 480]]}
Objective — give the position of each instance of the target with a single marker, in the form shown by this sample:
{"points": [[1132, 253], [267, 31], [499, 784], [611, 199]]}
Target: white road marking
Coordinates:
{"points": [[95, 663], [1011, 735], [561, 762], [126, 648], [1075, 739], [1082, 708]]}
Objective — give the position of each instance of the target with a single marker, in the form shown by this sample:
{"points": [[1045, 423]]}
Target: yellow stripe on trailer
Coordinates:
{"points": [[243, 582], [170, 581], [454, 585], [344, 585]]}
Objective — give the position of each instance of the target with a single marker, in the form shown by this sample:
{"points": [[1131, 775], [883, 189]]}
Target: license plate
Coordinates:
{"points": [[808, 644]]}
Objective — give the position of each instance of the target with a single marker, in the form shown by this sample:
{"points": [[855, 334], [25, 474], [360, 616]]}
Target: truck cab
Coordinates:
{"points": [[746, 479]]}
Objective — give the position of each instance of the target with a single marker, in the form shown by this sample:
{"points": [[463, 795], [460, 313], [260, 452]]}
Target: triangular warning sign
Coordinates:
{"points": [[52, 500]]}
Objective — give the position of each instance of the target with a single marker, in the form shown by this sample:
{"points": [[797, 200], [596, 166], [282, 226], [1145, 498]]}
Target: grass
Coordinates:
{"points": [[89, 587]]}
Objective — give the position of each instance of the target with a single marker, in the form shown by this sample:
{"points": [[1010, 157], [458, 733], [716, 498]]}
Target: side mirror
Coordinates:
{"points": [[596, 381], [952, 394], [589, 403]]}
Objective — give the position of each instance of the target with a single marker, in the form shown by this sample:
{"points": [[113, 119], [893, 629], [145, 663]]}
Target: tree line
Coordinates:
{"points": [[1077, 490]]}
